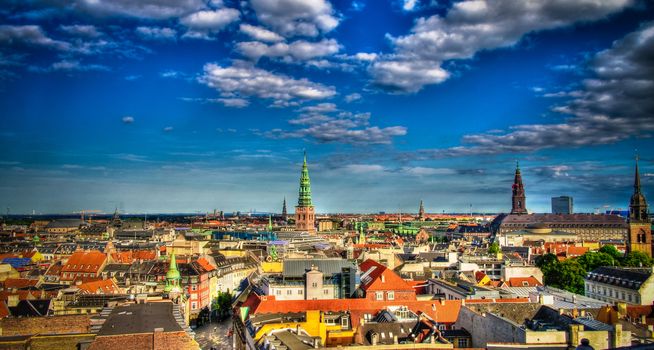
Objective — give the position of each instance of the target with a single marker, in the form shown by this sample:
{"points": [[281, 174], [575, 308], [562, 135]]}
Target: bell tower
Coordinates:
{"points": [[305, 215], [518, 198], [640, 229]]}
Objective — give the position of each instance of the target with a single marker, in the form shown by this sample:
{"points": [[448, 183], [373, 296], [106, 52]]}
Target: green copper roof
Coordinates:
{"points": [[173, 273], [304, 199]]}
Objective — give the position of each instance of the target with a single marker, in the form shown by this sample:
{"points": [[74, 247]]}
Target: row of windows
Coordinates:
{"points": [[612, 293]]}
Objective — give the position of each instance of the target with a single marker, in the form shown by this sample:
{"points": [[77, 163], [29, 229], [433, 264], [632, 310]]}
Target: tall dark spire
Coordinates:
{"points": [[421, 212], [638, 203], [518, 198], [284, 212]]}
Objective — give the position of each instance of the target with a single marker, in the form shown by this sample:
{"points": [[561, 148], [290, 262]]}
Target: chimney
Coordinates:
{"points": [[158, 339], [383, 279]]}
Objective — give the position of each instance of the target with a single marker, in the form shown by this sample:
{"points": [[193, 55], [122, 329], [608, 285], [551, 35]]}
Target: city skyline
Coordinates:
{"points": [[194, 106]]}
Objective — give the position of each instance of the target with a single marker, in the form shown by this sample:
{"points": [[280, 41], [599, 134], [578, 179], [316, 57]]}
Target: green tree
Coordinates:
{"points": [[591, 260], [568, 275], [222, 304], [612, 251], [637, 259], [547, 263], [494, 248]]}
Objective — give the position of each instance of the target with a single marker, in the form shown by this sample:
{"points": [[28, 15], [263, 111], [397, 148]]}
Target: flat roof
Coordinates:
{"points": [[140, 318]]}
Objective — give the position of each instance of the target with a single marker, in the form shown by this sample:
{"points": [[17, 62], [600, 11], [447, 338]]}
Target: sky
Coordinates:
{"points": [[195, 105]]}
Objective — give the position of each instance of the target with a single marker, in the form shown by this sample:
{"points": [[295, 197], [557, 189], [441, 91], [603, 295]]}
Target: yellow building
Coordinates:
{"points": [[6, 271]]}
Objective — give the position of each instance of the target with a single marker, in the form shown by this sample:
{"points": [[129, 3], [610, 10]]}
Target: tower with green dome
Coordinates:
{"points": [[305, 215], [173, 277]]}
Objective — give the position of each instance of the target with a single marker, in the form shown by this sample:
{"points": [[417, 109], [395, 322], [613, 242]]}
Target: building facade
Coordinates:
{"points": [[562, 205], [621, 284]]}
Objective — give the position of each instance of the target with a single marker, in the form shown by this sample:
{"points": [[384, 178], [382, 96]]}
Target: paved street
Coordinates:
{"points": [[207, 337]]}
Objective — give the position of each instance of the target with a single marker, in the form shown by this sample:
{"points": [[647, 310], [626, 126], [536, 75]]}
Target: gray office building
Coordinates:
{"points": [[562, 205]]}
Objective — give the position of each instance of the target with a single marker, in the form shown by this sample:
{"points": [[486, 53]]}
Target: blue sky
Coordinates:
{"points": [[185, 106]]}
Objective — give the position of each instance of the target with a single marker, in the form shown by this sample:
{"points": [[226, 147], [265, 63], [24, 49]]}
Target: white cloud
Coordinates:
{"points": [[156, 33], [297, 50], [345, 128], [296, 17], [425, 171], [70, 65], [612, 106], [211, 21], [364, 56], [260, 34], [29, 35], [471, 26], [409, 5], [128, 119], [244, 80], [364, 168], [168, 129], [86, 31], [352, 97], [234, 102], [154, 9]]}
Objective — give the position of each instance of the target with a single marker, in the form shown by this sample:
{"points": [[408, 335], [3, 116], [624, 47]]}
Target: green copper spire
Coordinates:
{"points": [[304, 199], [173, 276], [270, 226]]}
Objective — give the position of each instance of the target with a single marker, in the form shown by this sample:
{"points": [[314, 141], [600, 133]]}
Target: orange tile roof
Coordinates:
{"points": [[445, 312], [205, 264], [18, 283], [530, 281], [81, 261], [381, 278], [99, 287]]}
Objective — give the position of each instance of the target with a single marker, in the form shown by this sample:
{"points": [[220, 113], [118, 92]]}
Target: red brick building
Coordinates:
{"points": [[83, 265], [378, 283]]}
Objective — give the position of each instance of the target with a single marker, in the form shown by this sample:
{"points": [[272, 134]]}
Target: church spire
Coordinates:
{"points": [[305, 218], [518, 198], [173, 276], [284, 212], [421, 212], [638, 203], [304, 198]]}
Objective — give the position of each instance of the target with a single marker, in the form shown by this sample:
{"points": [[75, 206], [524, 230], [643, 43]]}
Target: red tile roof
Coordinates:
{"points": [[445, 312], [205, 264], [19, 283], [530, 281], [377, 277], [81, 261], [99, 287]]}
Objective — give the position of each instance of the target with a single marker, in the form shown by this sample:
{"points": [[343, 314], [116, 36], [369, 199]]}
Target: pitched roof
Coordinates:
{"points": [[18, 283], [107, 286], [377, 277], [446, 311], [530, 281], [82, 261], [625, 277]]}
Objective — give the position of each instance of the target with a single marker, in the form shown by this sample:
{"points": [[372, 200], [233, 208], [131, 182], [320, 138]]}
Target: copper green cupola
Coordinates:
{"points": [[173, 277], [304, 198]]}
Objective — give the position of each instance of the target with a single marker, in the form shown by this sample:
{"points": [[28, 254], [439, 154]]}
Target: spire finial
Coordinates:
{"points": [[517, 165]]}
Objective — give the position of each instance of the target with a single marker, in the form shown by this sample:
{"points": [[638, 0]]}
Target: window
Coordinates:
{"points": [[345, 322], [326, 291], [314, 284], [194, 305], [463, 342], [629, 298], [278, 292], [379, 296], [390, 295], [194, 287], [300, 292], [289, 292]]}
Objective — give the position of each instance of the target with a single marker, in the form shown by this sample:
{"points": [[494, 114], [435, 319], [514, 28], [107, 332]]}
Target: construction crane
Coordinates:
{"points": [[87, 211]]}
